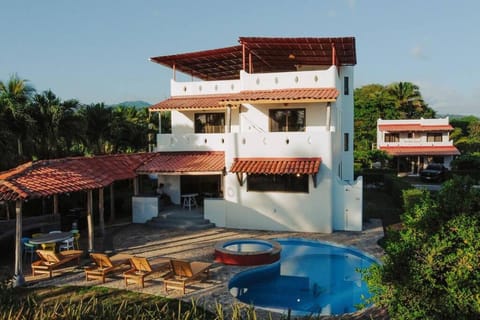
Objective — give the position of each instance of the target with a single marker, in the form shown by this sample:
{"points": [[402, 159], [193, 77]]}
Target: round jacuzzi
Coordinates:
{"points": [[247, 252]]}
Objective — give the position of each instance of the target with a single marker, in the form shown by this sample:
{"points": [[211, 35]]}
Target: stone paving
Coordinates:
{"points": [[141, 240]]}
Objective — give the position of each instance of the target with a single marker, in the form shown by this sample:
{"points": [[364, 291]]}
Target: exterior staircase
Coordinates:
{"points": [[175, 217]]}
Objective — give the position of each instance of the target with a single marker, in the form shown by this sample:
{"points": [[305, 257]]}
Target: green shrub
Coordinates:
{"points": [[431, 268]]}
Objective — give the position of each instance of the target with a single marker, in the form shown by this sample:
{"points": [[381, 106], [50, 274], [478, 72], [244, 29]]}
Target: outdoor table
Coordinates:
{"points": [[51, 237], [189, 200]]}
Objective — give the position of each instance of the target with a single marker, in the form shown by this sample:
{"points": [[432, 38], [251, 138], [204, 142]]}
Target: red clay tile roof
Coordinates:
{"points": [[414, 127], [248, 96], [426, 150], [190, 103], [48, 177], [276, 165], [267, 55], [185, 161], [284, 95]]}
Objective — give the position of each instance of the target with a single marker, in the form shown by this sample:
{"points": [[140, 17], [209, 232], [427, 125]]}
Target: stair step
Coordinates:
{"points": [[184, 225], [180, 216], [172, 218]]}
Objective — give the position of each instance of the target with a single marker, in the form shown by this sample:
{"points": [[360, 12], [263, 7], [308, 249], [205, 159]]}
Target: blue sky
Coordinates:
{"points": [[98, 50]]}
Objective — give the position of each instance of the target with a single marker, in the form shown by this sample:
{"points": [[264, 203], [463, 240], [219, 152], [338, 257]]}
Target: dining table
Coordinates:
{"points": [[51, 237]]}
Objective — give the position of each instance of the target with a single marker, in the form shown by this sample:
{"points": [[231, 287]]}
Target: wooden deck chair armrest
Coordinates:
{"points": [[130, 271], [96, 269]]}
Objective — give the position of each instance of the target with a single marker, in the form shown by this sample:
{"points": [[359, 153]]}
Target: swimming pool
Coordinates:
{"points": [[312, 277]]}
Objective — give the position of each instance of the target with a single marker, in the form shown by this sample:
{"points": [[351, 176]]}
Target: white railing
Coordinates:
{"points": [[415, 143], [258, 81], [267, 144]]}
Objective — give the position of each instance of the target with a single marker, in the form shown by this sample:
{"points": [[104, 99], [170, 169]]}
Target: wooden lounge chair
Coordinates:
{"points": [[184, 272], [105, 265], [50, 261], [142, 267]]}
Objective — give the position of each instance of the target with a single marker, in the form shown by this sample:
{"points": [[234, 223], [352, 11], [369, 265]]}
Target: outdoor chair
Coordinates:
{"points": [[184, 272], [76, 238], [66, 244], [50, 261], [142, 267], [105, 265], [50, 246], [28, 248]]}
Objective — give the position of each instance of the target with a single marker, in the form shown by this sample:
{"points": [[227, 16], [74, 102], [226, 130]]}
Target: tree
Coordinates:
{"points": [[15, 96], [129, 129], [409, 101], [431, 268], [466, 135], [57, 125], [97, 120]]}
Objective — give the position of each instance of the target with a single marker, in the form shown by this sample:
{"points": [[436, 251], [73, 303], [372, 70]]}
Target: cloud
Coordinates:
{"points": [[418, 52], [447, 100]]}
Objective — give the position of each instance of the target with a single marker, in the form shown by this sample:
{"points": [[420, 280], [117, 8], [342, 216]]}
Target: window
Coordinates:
{"points": [[276, 182], [434, 137], [282, 120], [209, 122], [346, 88], [392, 137], [410, 135], [345, 142]]}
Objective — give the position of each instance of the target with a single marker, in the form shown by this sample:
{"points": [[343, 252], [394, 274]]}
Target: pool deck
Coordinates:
{"points": [[142, 240]]}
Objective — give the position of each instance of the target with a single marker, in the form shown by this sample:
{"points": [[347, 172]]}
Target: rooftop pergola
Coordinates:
{"points": [[262, 55]]}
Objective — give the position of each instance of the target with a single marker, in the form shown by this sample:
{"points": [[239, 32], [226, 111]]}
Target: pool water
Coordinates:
{"points": [[248, 246], [311, 277]]}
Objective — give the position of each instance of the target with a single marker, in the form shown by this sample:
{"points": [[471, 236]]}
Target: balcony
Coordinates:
{"points": [[327, 78], [418, 142], [265, 144]]}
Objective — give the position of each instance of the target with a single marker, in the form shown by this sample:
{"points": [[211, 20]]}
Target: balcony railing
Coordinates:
{"points": [[259, 81], [255, 144]]}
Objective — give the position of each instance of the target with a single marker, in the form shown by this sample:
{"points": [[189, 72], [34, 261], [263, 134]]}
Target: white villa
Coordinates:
{"points": [[414, 143], [263, 135]]}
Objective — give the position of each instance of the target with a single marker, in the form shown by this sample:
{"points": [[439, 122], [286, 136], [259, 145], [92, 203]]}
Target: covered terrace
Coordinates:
{"points": [[51, 178]]}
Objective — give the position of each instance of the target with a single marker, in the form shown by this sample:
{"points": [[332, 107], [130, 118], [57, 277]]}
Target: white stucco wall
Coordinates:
{"points": [[310, 212]]}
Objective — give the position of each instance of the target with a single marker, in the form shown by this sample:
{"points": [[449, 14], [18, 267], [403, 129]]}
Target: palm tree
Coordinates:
{"points": [[15, 96], [409, 102], [97, 120]]}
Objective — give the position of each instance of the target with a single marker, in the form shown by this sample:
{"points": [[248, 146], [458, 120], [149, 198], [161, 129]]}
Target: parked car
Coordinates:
{"points": [[434, 172]]}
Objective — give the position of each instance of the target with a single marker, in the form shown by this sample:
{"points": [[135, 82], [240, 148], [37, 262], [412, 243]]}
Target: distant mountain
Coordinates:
{"points": [[136, 104]]}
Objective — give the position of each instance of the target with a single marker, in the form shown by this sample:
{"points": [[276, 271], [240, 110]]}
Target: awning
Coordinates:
{"points": [[421, 151], [414, 127], [185, 162], [276, 165], [300, 95], [309, 166]]}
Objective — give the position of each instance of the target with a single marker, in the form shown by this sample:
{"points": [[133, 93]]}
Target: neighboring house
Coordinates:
{"points": [[265, 135], [414, 143]]}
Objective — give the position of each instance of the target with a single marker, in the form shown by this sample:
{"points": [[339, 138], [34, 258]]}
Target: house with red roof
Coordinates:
{"points": [[262, 135], [414, 143]]}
